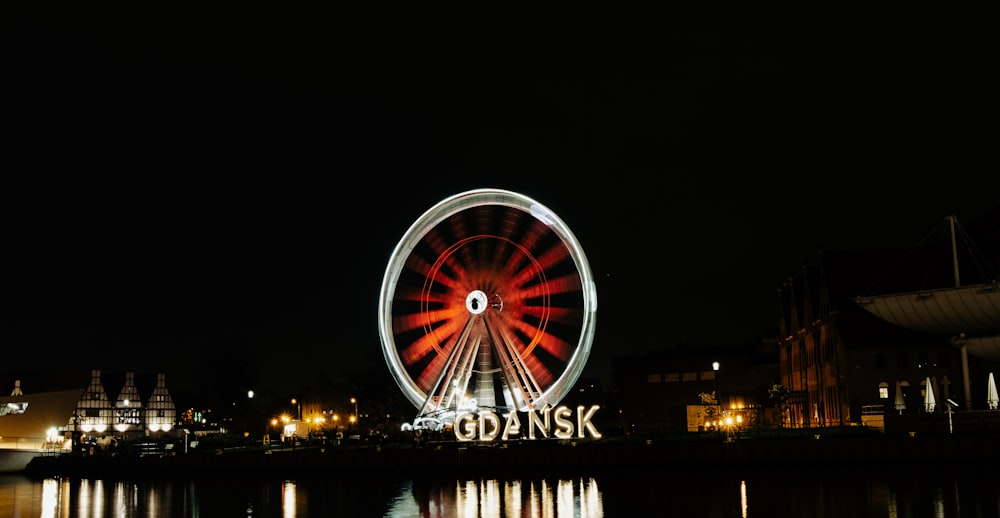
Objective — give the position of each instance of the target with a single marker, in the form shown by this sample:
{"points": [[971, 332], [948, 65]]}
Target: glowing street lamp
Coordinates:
{"points": [[718, 397], [297, 403], [354, 402]]}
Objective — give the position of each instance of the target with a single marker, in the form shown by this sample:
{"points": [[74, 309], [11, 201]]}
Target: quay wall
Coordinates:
{"points": [[540, 456]]}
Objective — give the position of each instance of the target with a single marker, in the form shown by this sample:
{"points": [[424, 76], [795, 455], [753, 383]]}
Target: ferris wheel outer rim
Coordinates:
{"points": [[446, 208]]}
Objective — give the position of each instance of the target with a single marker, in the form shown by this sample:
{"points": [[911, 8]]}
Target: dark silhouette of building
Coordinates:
{"points": [[665, 390], [844, 366]]}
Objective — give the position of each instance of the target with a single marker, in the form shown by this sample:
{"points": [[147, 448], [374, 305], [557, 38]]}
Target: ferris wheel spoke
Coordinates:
{"points": [[517, 374]]}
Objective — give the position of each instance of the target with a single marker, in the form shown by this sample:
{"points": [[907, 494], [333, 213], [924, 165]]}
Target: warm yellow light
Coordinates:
{"points": [[353, 419]]}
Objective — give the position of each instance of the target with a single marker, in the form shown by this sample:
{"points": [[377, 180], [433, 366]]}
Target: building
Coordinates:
{"points": [[128, 416], [688, 389], [832, 363], [34, 424], [844, 366]]}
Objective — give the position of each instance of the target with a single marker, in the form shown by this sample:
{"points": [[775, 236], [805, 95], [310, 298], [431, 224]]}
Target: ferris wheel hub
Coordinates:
{"points": [[476, 302]]}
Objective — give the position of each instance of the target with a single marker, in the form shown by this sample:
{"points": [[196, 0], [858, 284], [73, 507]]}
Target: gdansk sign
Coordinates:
{"points": [[558, 422]]}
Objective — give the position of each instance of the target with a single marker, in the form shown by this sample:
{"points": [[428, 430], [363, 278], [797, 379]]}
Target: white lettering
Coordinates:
{"points": [[465, 427], [513, 426], [583, 421], [564, 426], [559, 421], [536, 422], [489, 426]]}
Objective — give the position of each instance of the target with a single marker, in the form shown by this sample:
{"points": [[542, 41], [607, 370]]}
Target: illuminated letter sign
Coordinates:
{"points": [[559, 421]]}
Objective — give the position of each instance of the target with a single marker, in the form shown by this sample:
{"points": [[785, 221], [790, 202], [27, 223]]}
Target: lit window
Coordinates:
{"points": [[13, 409]]}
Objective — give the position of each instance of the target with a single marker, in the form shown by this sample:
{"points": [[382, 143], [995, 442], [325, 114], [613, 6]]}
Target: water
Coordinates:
{"points": [[899, 491]]}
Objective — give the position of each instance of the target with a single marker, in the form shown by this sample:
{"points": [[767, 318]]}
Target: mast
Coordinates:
{"points": [[954, 251], [966, 383]]}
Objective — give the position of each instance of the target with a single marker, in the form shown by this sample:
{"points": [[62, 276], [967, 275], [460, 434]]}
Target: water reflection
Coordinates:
{"points": [[578, 497], [946, 491]]}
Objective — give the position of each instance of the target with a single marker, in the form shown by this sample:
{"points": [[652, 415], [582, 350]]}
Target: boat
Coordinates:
{"points": [[33, 425]]}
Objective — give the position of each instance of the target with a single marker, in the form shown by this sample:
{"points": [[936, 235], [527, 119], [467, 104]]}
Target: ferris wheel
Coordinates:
{"points": [[487, 303]]}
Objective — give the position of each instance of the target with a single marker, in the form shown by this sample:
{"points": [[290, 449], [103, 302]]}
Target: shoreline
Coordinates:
{"points": [[599, 454]]}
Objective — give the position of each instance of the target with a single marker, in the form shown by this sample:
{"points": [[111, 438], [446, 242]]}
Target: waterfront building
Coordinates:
{"points": [[128, 408], [34, 424], [830, 362], [127, 416], [844, 366], [94, 413], [160, 410], [691, 388]]}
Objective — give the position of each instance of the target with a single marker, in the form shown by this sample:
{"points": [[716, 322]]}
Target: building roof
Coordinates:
{"points": [[31, 415]]}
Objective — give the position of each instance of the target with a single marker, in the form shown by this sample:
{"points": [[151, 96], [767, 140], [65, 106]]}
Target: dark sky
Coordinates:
{"points": [[194, 195]]}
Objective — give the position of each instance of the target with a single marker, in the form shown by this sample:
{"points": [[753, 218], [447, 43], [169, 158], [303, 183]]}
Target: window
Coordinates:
{"points": [[671, 377], [690, 376], [13, 409], [881, 361], [883, 390], [653, 378], [902, 360], [707, 375]]}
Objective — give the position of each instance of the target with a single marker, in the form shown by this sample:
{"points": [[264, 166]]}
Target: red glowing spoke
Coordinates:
{"points": [[561, 315], [552, 344], [559, 285], [543, 376], [418, 349], [429, 376]]}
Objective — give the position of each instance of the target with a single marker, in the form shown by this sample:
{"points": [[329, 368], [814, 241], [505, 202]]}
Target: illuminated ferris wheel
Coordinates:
{"points": [[487, 303]]}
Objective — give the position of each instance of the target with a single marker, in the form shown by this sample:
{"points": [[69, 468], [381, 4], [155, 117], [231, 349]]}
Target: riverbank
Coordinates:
{"points": [[604, 454]]}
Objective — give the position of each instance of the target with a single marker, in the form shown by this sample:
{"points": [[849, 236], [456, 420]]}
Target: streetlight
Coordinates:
{"points": [[299, 404], [354, 402], [718, 397], [715, 368]]}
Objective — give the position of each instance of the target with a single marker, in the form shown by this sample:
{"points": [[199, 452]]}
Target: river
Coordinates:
{"points": [[909, 490]]}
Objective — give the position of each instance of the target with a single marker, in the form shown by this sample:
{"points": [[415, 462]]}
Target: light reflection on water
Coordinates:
{"points": [[490, 497], [946, 491]]}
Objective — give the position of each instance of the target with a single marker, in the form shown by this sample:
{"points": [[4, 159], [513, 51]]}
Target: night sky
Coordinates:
{"points": [[194, 195]]}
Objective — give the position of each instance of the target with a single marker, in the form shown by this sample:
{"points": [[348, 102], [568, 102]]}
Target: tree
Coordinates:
{"points": [[779, 395]]}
